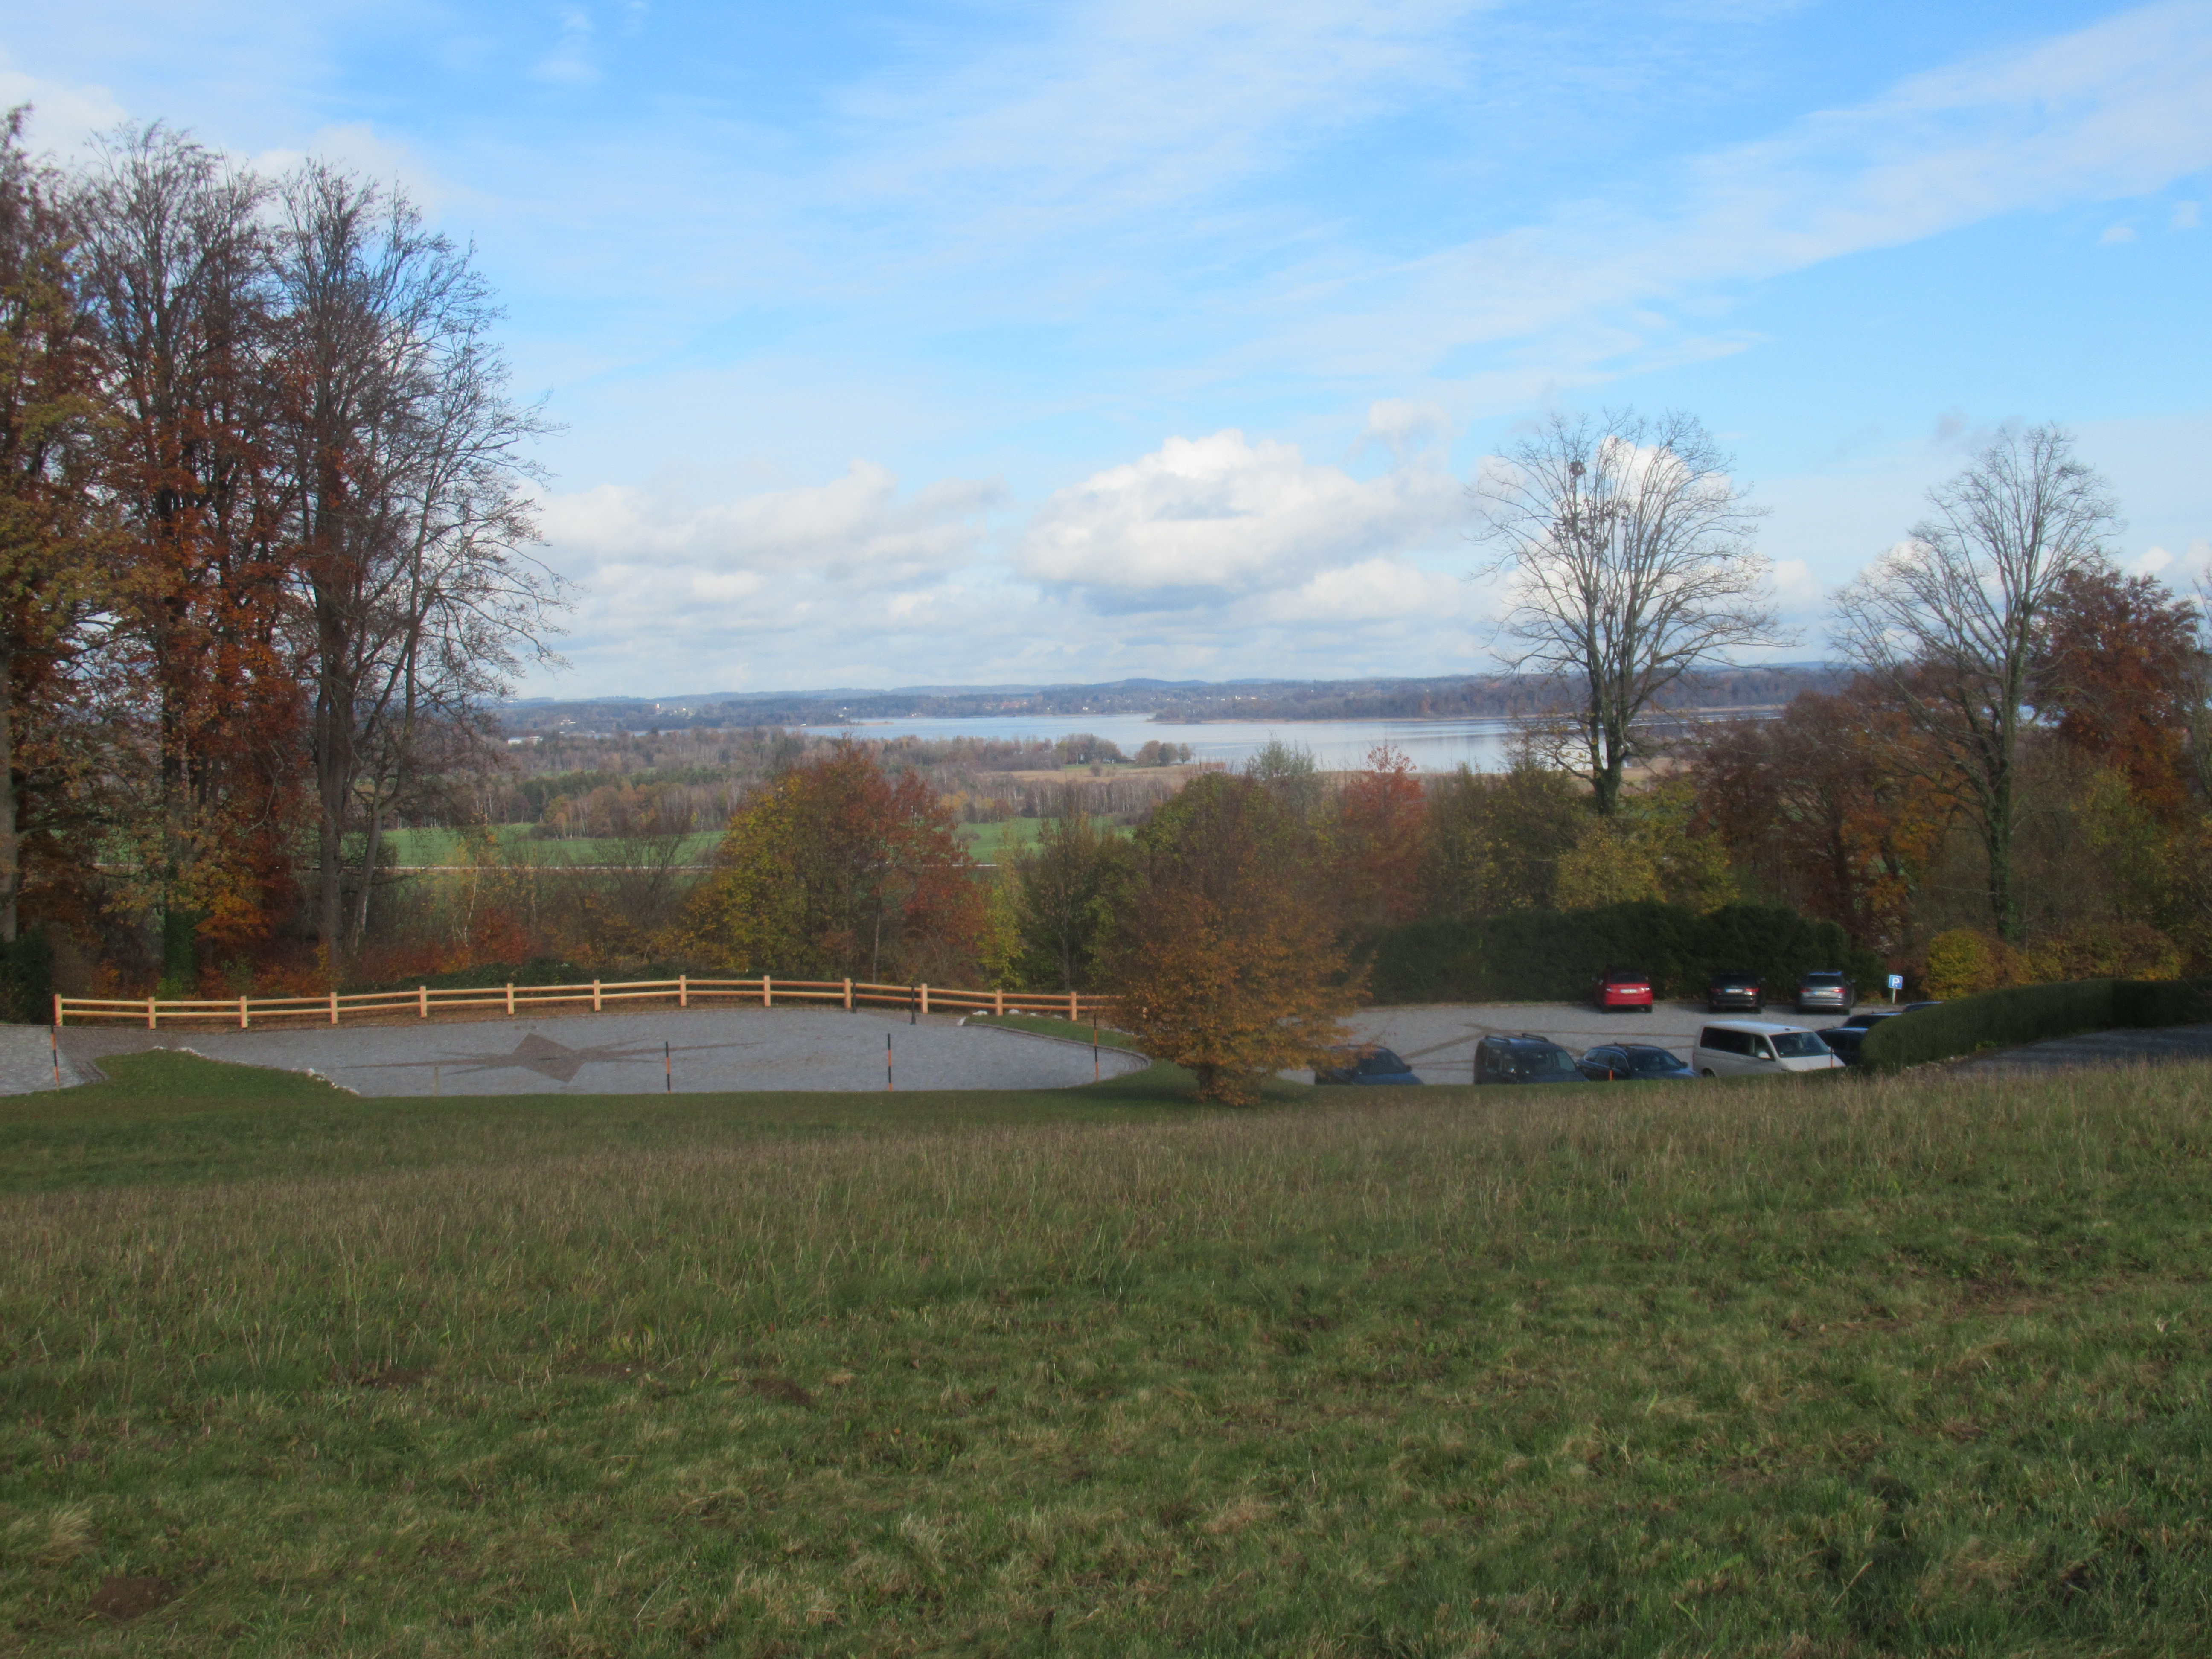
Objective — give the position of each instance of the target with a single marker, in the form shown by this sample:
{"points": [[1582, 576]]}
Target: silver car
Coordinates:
{"points": [[1822, 990]]}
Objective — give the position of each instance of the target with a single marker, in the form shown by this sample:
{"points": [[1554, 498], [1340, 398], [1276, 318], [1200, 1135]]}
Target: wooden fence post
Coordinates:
{"points": [[242, 1020], [924, 999], [422, 1002], [1074, 1015], [151, 1016], [999, 1002], [595, 996], [682, 990], [57, 1009], [510, 998], [848, 996], [768, 996], [334, 1007]]}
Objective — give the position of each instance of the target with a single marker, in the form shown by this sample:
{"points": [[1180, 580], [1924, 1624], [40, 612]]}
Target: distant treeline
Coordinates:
{"points": [[1450, 696]]}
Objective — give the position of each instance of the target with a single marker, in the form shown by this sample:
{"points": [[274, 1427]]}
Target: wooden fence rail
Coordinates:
{"points": [[684, 991]]}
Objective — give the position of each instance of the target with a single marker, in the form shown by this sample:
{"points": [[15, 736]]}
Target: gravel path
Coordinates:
{"points": [[26, 1060], [708, 1051]]}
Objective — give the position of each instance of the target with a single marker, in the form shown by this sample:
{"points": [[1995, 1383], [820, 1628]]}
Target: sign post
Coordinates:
{"points": [[1896, 984]]}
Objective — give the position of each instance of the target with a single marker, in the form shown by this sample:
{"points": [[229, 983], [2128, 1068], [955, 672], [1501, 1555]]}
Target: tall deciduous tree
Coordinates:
{"points": [[405, 469], [1065, 891], [1950, 622], [1628, 553], [1226, 962], [49, 405], [839, 870], [1827, 808], [1380, 841], [2117, 676], [177, 283]]}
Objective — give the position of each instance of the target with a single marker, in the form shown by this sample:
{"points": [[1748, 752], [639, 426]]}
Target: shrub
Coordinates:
{"points": [[1964, 962], [2116, 949], [1553, 956]]}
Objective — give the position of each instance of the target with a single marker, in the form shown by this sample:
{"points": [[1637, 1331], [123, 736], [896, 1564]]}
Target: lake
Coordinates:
{"points": [[1337, 745]]}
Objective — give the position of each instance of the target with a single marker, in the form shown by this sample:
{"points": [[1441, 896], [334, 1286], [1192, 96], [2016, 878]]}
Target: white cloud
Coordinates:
{"points": [[62, 116], [855, 525], [2116, 110], [2186, 215], [358, 146], [570, 63], [1386, 588], [1217, 513], [2117, 234]]}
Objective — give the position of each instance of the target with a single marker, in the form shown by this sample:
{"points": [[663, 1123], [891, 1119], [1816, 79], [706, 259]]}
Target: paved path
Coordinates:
{"points": [[708, 1051], [2168, 1042]]}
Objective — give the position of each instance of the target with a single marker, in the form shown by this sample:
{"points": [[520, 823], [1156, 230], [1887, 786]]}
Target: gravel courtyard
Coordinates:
{"points": [[708, 1051], [744, 1049]]}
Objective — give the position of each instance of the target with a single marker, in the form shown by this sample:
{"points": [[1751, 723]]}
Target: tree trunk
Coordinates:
{"points": [[1996, 839], [11, 864]]}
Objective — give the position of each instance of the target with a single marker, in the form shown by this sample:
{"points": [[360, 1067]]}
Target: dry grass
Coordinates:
{"points": [[1893, 1366]]}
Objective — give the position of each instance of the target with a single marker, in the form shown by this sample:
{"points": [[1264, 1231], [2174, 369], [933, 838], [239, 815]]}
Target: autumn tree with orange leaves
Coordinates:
{"points": [[197, 661], [1827, 808], [1227, 962], [1379, 841], [2117, 676], [50, 517], [838, 870]]}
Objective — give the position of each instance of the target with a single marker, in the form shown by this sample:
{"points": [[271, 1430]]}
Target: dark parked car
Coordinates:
{"points": [[1867, 1019], [1844, 1042], [1525, 1059], [1622, 987], [1362, 1063], [1632, 1062], [1728, 991], [1825, 989]]}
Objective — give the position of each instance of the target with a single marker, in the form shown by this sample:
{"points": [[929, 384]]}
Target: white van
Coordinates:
{"points": [[1757, 1048]]}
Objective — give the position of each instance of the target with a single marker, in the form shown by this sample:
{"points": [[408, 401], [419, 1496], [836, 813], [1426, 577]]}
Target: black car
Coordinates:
{"points": [[1867, 1019], [1631, 1062], [1527, 1057], [1844, 1042], [1728, 991], [1359, 1063], [1825, 989]]}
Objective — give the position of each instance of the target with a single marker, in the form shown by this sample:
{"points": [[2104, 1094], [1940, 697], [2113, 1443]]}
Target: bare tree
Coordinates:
{"points": [[1629, 555], [1949, 619], [408, 472]]}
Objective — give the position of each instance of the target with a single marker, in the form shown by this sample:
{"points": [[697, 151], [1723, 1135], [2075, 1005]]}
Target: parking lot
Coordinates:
{"points": [[1438, 1041]]}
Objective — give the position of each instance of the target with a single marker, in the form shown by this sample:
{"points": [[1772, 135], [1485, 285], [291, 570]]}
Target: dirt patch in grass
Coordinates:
{"points": [[122, 1599]]}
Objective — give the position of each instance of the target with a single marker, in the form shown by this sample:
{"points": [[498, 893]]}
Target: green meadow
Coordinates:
{"points": [[1915, 1365]]}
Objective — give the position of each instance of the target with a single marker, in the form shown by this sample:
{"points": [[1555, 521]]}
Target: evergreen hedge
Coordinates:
{"points": [[2028, 1013], [1554, 955]]}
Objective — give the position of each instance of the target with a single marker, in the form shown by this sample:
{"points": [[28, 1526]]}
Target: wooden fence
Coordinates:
{"points": [[684, 991]]}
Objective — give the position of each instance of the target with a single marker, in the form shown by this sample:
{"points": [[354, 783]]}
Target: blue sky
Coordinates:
{"points": [[958, 343]]}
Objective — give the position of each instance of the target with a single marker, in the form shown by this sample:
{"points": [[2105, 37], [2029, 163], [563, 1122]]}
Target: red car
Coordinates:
{"points": [[1622, 987]]}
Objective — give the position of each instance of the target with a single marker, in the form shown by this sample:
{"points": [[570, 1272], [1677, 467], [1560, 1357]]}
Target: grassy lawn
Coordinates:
{"points": [[1887, 1366], [442, 846]]}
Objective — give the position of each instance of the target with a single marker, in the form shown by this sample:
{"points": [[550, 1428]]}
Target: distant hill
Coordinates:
{"points": [[1171, 702]]}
